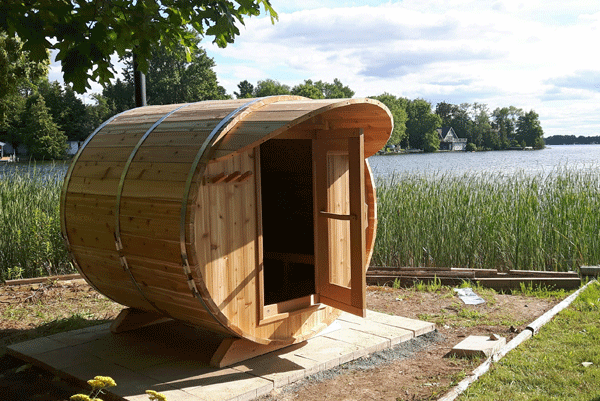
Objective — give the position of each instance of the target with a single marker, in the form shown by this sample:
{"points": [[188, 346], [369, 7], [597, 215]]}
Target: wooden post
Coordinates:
{"points": [[139, 83]]}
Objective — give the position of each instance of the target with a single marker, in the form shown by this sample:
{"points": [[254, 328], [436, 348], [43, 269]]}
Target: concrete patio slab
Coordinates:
{"points": [[394, 334], [478, 346], [173, 359], [418, 327]]}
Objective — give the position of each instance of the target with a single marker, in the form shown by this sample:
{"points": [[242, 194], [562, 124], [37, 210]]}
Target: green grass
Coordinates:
{"points": [[524, 222], [430, 286], [30, 240], [539, 291], [549, 366]]}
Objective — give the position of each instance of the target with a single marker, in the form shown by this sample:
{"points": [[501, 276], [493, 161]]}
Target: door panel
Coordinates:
{"points": [[339, 223], [339, 230]]}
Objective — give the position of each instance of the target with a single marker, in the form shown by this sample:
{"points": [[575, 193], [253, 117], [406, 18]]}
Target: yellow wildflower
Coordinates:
{"points": [[96, 384], [106, 380], [156, 396], [80, 397]]}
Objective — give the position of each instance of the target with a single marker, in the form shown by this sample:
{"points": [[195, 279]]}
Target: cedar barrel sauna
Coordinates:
{"points": [[252, 218]]}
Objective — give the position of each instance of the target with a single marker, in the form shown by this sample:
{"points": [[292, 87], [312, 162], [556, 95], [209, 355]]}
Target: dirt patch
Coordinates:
{"points": [[415, 370], [419, 369], [36, 310]]}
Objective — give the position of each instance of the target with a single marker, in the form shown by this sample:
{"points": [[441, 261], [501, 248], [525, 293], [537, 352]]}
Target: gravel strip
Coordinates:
{"points": [[403, 350]]}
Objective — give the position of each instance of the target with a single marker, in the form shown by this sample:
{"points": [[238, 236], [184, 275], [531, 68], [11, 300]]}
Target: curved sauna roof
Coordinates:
{"points": [[230, 126], [263, 119], [134, 215]]}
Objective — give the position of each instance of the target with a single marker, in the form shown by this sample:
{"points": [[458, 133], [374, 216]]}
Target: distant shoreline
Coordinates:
{"points": [[572, 140]]}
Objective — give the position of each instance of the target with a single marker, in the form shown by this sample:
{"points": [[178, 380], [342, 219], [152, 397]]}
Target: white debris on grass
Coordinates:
{"points": [[468, 296]]}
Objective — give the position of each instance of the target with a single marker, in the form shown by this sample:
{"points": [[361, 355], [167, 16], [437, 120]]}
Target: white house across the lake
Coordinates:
{"points": [[8, 153], [449, 140]]}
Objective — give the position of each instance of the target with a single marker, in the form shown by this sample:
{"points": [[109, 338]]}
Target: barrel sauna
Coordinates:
{"points": [[252, 218]]}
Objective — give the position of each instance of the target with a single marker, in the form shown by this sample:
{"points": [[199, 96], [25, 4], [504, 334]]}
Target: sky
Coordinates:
{"points": [[537, 55]]}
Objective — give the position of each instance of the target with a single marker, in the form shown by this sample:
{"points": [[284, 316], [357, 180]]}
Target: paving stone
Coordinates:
{"points": [[418, 327], [478, 346], [129, 383], [327, 350], [394, 334], [81, 336], [226, 384], [60, 359], [174, 394], [179, 374], [367, 342], [35, 347], [281, 367]]}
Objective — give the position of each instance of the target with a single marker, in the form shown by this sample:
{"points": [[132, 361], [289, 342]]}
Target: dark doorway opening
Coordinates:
{"points": [[286, 169]]}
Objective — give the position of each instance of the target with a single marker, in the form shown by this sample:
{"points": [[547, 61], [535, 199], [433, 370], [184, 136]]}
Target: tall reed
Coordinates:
{"points": [[30, 238], [519, 221]]}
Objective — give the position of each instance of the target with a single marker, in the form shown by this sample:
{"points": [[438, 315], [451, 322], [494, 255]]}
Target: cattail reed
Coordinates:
{"points": [[493, 221], [30, 240]]}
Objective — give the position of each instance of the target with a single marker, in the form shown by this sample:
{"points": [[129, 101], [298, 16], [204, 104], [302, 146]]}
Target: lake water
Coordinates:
{"points": [[542, 161], [57, 169]]}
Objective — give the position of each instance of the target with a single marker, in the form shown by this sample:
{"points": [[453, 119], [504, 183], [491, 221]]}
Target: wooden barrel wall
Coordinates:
{"points": [[149, 224]]}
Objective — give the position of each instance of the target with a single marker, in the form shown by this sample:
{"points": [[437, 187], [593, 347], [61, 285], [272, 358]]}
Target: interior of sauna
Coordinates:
{"points": [[286, 190]]}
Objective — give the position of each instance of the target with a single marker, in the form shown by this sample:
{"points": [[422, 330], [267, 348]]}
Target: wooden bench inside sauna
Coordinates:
{"points": [[251, 218]]}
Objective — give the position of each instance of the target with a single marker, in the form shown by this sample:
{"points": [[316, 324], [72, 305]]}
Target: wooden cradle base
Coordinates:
{"points": [[231, 350]]}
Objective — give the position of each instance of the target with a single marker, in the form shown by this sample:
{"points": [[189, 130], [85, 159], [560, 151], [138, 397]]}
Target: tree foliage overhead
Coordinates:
{"points": [[86, 33], [179, 76], [171, 79]]}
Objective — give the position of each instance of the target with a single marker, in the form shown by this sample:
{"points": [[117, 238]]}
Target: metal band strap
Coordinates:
{"points": [[118, 242], [203, 156]]}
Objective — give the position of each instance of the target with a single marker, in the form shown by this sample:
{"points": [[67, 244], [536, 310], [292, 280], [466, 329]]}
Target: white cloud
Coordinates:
{"points": [[533, 54], [503, 53]]}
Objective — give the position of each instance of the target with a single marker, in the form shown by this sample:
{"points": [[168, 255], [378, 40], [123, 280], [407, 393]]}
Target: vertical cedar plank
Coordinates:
{"points": [[357, 226], [250, 205], [339, 230]]}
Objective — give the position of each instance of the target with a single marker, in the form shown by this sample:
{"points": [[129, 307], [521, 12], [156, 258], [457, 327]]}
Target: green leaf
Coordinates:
{"points": [[121, 26], [188, 54]]}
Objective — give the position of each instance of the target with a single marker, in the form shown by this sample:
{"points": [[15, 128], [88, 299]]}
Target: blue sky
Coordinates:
{"points": [[532, 54]]}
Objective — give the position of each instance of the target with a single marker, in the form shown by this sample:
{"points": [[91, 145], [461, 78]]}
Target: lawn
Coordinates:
{"points": [[554, 364]]}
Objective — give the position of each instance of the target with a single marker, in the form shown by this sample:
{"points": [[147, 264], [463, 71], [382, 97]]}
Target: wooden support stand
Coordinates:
{"points": [[233, 350], [131, 319]]}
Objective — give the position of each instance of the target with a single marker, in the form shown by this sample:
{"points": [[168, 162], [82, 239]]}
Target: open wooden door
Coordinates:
{"points": [[340, 222]]}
